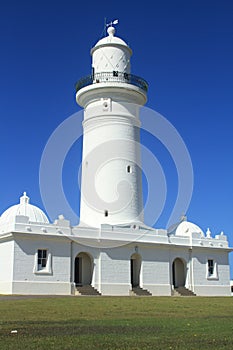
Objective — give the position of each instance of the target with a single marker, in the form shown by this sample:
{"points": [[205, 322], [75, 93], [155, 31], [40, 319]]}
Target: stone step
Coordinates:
{"points": [[86, 290], [138, 291], [182, 291], [175, 293]]}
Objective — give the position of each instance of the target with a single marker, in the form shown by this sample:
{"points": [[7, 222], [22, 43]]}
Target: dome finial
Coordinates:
{"points": [[208, 233], [111, 30], [24, 198]]}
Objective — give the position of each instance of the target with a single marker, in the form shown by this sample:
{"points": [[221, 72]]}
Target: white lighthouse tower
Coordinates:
{"points": [[111, 188]]}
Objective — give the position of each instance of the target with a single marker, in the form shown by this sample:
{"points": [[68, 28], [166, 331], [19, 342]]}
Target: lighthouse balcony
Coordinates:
{"points": [[112, 77]]}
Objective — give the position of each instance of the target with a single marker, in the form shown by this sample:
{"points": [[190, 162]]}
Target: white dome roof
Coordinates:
{"points": [[110, 40], [34, 213], [186, 228]]}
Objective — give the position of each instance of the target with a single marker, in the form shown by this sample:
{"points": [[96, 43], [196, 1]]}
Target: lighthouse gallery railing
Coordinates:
{"points": [[115, 76]]}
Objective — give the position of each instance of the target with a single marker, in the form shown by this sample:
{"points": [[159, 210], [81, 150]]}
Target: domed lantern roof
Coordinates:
{"points": [[111, 39]]}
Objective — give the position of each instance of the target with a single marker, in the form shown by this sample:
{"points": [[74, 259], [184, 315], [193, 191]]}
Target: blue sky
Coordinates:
{"points": [[184, 49]]}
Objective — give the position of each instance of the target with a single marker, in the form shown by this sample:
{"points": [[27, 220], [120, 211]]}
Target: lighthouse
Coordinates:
{"points": [[112, 251], [111, 181]]}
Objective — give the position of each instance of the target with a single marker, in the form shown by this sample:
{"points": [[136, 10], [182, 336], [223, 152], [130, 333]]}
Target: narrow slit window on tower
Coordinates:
{"points": [[106, 213], [129, 169]]}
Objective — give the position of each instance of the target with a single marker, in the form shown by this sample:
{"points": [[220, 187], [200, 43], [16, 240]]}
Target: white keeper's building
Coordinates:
{"points": [[111, 251]]}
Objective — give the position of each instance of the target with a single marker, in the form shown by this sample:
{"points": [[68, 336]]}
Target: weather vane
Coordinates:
{"points": [[112, 22], [106, 25]]}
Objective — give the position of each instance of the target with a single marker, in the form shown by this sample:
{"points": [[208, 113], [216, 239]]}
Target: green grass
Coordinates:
{"points": [[122, 323]]}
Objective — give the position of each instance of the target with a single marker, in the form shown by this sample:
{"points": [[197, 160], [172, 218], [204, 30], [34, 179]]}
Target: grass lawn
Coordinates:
{"points": [[123, 323]]}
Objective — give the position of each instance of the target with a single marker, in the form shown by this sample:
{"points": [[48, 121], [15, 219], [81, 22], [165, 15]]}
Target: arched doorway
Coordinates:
{"points": [[83, 269], [178, 273], [135, 269]]}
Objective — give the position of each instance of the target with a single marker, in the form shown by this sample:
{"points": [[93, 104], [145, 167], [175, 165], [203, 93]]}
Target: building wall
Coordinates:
{"points": [[109, 270], [219, 283], [155, 270], [54, 280], [115, 271], [112, 269], [6, 266]]}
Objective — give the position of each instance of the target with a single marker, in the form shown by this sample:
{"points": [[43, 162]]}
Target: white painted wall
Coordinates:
{"points": [[115, 271], [155, 270], [26, 280], [6, 266], [111, 266], [108, 150], [218, 284]]}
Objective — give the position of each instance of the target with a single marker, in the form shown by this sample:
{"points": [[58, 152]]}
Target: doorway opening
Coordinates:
{"points": [[178, 273], [135, 269], [83, 269]]}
